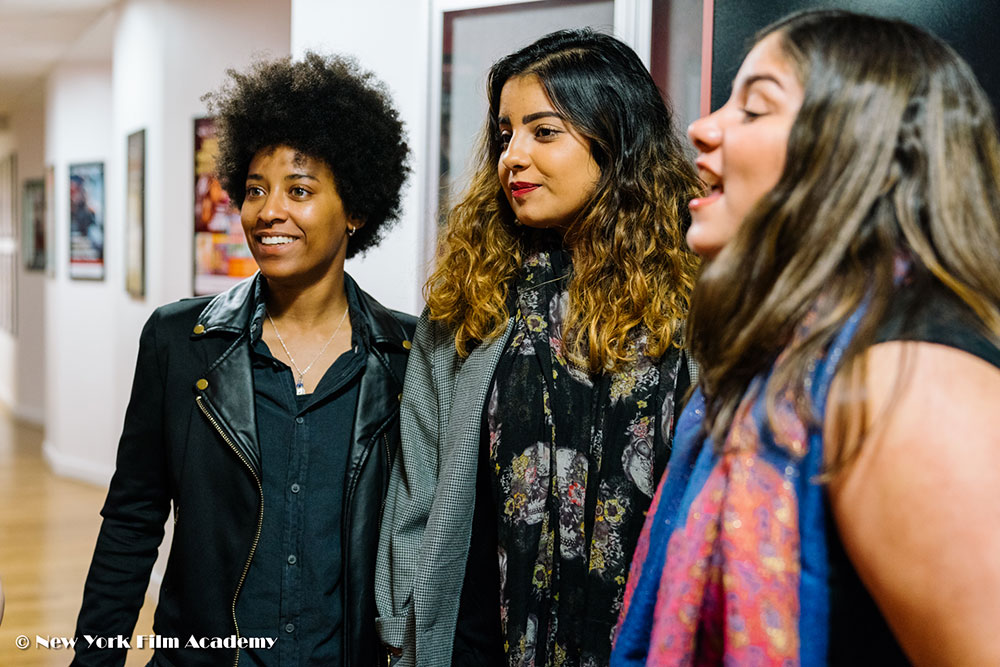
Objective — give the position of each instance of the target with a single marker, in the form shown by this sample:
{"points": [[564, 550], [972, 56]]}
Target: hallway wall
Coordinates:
{"points": [[79, 322], [28, 369], [393, 272], [22, 357], [166, 54]]}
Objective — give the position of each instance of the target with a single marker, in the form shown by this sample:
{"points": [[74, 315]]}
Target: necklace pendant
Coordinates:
{"points": [[300, 389]]}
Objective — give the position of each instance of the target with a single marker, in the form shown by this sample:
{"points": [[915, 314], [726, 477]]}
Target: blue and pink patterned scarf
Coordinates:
{"points": [[732, 564]]}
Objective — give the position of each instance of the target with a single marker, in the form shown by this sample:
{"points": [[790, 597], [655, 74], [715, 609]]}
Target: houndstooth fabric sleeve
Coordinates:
{"points": [[426, 527], [412, 483]]}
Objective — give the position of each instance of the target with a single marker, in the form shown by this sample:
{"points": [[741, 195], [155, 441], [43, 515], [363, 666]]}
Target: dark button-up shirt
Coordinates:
{"points": [[293, 589]]}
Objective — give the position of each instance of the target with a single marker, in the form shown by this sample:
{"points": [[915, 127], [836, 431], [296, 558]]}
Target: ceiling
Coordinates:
{"points": [[37, 34]]}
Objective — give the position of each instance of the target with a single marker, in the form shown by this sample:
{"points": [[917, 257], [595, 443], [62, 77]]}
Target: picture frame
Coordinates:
{"points": [[472, 39], [50, 221], [34, 234], [86, 220], [221, 255], [135, 214]]}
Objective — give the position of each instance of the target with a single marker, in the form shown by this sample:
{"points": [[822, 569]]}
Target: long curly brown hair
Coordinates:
{"points": [[631, 266]]}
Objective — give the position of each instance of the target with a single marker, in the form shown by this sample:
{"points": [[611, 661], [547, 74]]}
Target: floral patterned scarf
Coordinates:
{"points": [[733, 563], [576, 457]]}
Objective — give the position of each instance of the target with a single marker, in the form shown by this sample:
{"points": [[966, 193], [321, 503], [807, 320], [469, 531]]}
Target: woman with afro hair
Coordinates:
{"points": [[268, 416]]}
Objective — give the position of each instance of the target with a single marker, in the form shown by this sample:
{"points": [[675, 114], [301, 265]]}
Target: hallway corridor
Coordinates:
{"points": [[48, 526]]}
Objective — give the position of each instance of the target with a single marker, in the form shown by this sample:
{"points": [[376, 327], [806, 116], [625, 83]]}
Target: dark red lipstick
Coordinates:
{"points": [[521, 188]]}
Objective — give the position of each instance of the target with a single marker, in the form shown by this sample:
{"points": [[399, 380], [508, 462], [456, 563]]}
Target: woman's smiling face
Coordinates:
{"points": [[293, 218], [545, 167], [742, 145]]}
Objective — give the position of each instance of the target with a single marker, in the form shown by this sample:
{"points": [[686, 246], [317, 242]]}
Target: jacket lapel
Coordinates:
{"points": [[229, 395], [380, 385], [225, 391]]}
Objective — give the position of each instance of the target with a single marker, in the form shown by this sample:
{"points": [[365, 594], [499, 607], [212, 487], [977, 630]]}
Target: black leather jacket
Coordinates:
{"points": [[190, 438]]}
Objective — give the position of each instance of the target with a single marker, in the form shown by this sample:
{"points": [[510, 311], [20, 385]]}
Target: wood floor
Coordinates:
{"points": [[48, 526]]}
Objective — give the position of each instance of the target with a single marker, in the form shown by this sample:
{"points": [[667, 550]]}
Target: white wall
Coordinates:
{"points": [[166, 55], [27, 395], [79, 315], [137, 94], [8, 343], [390, 38], [399, 40]]}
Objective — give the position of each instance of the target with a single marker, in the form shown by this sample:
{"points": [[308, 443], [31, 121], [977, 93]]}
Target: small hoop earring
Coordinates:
{"points": [[351, 230]]}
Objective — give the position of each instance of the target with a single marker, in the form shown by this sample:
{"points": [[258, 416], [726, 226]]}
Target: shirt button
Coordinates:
{"points": [[296, 487], [292, 559], [299, 420], [289, 628]]}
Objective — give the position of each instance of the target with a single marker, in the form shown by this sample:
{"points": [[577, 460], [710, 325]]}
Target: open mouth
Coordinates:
{"points": [[714, 192]]}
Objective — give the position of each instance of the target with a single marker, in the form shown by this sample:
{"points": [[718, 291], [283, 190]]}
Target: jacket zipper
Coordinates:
{"points": [[260, 514], [388, 476]]}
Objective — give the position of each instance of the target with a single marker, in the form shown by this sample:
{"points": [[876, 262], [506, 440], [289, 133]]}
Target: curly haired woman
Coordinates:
{"points": [[268, 415], [539, 405]]}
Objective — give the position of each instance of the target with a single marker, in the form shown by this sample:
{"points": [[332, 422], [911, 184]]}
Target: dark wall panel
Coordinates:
{"points": [[971, 27]]}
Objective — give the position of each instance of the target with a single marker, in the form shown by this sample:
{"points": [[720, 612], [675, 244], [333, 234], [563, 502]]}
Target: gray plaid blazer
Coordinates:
{"points": [[427, 522]]}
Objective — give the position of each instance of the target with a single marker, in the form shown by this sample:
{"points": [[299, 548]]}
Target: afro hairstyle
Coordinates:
{"points": [[325, 107]]}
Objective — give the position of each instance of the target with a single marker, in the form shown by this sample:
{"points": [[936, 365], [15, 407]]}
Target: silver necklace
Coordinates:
{"points": [[300, 387]]}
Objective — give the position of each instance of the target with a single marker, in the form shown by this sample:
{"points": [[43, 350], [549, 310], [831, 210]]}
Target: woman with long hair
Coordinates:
{"points": [[833, 492], [539, 404]]}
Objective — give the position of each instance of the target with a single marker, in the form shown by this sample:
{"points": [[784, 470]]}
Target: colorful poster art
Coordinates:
{"points": [[221, 256], [86, 220], [135, 215], [33, 228]]}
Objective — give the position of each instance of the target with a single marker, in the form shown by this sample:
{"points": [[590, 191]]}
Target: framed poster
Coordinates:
{"points": [[472, 40], [50, 220], [467, 37], [221, 255], [135, 215], [86, 221], [33, 232]]}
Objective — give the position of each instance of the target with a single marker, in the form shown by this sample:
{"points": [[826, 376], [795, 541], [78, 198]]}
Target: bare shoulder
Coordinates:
{"points": [[919, 509]]}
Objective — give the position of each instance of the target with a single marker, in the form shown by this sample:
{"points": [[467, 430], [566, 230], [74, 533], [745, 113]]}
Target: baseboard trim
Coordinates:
{"points": [[75, 467], [30, 414], [6, 397]]}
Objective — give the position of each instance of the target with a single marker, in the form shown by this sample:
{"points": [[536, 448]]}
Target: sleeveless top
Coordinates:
{"points": [[928, 314], [740, 561]]}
